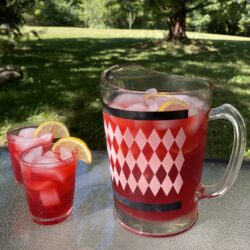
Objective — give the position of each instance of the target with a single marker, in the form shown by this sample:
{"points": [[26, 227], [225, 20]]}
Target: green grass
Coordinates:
{"points": [[63, 68]]}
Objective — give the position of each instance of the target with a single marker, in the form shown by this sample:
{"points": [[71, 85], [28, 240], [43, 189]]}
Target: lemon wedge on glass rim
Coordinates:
{"points": [[57, 129], [75, 145]]}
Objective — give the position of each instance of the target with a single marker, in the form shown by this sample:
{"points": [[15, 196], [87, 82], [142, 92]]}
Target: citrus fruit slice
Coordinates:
{"points": [[158, 98], [173, 105], [57, 129], [156, 95], [75, 145]]}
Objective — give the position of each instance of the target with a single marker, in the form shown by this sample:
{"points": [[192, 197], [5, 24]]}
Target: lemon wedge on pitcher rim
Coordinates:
{"points": [[173, 105], [156, 95], [57, 129], [75, 145]]}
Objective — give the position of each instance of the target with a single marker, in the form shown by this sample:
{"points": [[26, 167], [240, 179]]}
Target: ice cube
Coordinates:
{"points": [[23, 143], [154, 98], [152, 90], [192, 111], [115, 106], [51, 154], [198, 105], [195, 122], [37, 185], [46, 162], [185, 98], [26, 132], [49, 196], [149, 101], [162, 99], [152, 107], [137, 107], [49, 168], [65, 154], [125, 100], [33, 154]]}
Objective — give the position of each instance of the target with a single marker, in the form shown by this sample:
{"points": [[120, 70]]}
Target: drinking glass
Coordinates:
{"points": [[19, 143], [49, 183]]}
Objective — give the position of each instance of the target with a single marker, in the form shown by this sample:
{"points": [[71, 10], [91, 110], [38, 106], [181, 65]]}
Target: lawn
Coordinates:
{"points": [[63, 67]]}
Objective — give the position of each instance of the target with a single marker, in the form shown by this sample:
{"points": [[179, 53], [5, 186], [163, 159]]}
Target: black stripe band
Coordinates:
{"points": [[146, 115], [148, 207]]}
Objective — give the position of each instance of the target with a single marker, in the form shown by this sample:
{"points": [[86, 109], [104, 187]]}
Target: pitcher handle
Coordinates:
{"points": [[230, 113]]}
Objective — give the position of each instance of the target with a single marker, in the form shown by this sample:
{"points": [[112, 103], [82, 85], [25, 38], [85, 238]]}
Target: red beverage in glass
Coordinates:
{"points": [[19, 139], [49, 181]]}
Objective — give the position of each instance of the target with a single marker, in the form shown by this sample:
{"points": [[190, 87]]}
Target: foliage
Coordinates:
{"points": [[126, 13], [216, 16], [55, 12], [244, 22], [225, 19], [93, 13], [12, 15], [63, 69]]}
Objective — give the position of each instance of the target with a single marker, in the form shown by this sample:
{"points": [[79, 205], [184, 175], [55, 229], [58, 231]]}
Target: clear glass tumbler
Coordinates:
{"points": [[19, 139], [49, 182]]}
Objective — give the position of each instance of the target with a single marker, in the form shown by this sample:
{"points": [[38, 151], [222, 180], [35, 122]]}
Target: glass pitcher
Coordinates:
{"points": [[156, 129]]}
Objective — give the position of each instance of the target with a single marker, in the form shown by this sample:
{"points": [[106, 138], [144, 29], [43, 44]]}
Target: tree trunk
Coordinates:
{"points": [[177, 22], [131, 19]]}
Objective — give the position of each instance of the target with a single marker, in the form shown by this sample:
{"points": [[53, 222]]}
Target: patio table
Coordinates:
{"points": [[223, 223]]}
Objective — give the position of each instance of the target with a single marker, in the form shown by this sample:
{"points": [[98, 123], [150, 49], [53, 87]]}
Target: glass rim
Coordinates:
{"points": [[20, 126], [12, 137], [41, 165], [208, 85]]}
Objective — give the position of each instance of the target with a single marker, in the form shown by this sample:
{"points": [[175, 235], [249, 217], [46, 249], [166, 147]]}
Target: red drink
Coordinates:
{"points": [[49, 180], [20, 139], [155, 157]]}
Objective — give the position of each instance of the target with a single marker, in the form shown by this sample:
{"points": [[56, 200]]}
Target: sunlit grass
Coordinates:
{"points": [[63, 68]]}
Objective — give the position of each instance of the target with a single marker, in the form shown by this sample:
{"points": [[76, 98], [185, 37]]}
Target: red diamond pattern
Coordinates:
{"points": [[145, 161], [161, 151], [147, 151], [173, 173], [125, 170], [148, 174], [135, 150], [161, 174], [137, 172]]}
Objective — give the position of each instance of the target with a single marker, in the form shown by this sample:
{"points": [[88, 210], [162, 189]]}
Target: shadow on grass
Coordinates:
{"points": [[63, 75]]}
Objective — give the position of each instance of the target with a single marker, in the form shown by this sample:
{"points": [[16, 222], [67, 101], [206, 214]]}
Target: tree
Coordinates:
{"points": [[175, 11], [230, 17], [124, 13], [244, 22], [225, 16], [57, 13], [94, 12], [12, 16]]}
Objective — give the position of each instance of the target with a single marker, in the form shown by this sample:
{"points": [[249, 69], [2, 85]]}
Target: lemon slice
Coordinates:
{"points": [[155, 95], [75, 145], [173, 105], [158, 98], [57, 129]]}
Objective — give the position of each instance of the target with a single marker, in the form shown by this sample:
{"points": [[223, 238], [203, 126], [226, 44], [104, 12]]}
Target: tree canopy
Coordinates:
{"points": [[12, 15], [215, 16]]}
